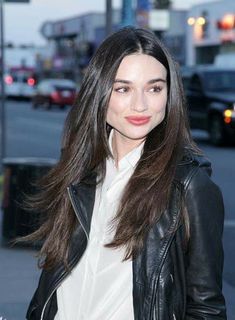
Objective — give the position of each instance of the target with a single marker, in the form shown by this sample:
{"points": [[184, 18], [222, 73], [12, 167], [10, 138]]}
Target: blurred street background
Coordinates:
{"points": [[45, 49]]}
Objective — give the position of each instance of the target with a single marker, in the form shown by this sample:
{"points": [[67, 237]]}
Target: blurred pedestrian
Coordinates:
{"points": [[133, 221]]}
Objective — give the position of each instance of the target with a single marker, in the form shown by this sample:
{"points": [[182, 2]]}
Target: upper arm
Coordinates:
{"points": [[204, 257]]}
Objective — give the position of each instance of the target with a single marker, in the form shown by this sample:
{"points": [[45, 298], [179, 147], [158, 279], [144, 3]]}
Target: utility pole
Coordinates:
{"points": [[128, 17], [2, 82], [109, 17]]}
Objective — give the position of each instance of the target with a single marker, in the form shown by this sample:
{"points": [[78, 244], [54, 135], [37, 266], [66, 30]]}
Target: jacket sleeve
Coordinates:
{"points": [[204, 258]]}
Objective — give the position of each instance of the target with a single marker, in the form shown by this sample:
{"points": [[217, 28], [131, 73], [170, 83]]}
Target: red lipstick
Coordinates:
{"points": [[138, 120]]}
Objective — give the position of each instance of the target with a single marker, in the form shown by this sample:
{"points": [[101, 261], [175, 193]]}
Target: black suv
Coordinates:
{"points": [[210, 93]]}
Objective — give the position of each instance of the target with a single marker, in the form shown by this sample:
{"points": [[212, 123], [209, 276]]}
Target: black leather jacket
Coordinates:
{"points": [[172, 279]]}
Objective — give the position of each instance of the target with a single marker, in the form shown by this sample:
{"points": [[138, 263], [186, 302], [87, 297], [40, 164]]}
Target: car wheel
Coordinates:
{"points": [[62, 106], [217, 130]]}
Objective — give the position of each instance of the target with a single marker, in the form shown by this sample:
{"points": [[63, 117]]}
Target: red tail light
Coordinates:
{"points": [[31, 82], [55, 95], [8, 80]]}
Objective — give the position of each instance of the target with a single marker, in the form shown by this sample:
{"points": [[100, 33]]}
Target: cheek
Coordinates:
{"points": [[159, 107], [116, 107], [112, 111], [159, 112], [109, 116]]}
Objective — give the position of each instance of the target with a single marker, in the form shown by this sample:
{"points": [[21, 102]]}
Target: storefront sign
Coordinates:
{"points": [[159, 20]]}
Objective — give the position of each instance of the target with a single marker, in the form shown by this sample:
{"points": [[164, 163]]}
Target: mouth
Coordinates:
{"points": [[138, 120]]}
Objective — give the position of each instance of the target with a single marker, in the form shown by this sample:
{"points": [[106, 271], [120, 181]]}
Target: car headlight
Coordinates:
{"points": [[229, 115]]}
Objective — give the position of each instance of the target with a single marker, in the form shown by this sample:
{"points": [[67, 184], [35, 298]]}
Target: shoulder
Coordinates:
{"points": [[202, 196], [193, 169]]}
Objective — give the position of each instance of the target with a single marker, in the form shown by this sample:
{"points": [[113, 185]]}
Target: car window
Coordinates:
{"points": [[44, 87], [61, 87], [40, 86], [65, 83], [186, 82], [195, 84], [219, 80], [49, 85]]}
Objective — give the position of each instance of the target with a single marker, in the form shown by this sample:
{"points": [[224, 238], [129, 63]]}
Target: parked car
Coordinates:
{"points": [[20, 82], [49, 92], [225, 60], [210, 93]]}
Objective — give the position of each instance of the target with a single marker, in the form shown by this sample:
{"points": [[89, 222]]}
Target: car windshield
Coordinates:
{"points": [[65, 84], [219, 80]]}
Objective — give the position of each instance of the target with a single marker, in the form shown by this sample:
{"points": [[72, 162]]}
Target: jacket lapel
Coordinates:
{"points": [[82, 196]]}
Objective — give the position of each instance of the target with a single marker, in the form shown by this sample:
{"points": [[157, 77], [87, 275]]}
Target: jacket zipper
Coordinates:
{"points": [[56, 287], [156, 280], [71, 197]]}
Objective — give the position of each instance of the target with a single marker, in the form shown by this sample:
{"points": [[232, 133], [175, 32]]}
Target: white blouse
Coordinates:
{"points": [[100, 286]]}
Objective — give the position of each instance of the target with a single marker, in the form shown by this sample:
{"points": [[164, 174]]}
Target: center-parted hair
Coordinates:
{"points": [[85, 150]]}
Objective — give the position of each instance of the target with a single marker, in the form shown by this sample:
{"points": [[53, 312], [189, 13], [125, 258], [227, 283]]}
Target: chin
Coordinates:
{"points": [[137, 136]]}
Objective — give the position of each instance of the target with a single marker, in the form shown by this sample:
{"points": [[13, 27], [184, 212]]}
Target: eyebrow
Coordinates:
{"points": [[149, 82]]}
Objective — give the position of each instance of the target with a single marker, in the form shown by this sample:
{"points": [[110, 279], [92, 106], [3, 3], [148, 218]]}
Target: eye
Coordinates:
{"points": [[155, 89], [122, 89]]}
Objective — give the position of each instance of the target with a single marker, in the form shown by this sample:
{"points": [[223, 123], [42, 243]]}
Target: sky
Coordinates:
{"points": [[22, 21]]}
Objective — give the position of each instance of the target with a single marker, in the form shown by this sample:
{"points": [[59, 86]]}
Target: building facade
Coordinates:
{"points": [[74, 40], [175, 36], [210, 31]]}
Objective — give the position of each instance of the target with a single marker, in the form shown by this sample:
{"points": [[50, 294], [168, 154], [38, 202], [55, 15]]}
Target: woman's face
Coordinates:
{"points": [[138, 99]]}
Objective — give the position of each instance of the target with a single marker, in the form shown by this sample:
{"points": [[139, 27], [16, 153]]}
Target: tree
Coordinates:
{"points": [[162, 4]]}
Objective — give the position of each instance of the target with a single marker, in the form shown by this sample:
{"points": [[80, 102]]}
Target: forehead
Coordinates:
{"points": [[136, 65]]}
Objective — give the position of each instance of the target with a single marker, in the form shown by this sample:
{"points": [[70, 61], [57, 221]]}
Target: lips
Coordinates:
{"points": [[138, 120]]}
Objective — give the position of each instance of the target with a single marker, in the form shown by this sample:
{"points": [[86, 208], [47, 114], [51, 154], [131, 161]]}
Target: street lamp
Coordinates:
{"points": [[191, 21]]}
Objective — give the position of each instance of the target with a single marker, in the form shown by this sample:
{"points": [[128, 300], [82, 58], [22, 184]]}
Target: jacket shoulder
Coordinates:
{"points": [[189, 165]]}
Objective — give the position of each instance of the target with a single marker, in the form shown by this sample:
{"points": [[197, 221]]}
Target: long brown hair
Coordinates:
{"points": [[85, 149]]}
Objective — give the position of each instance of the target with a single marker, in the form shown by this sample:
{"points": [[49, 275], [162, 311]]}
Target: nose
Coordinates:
{"points": [[139, 102]]}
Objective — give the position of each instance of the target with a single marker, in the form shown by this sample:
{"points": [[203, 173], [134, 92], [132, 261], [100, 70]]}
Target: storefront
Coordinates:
{"points": [[175, 36]]}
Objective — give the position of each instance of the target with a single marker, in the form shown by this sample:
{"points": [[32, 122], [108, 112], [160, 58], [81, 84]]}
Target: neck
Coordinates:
{"points": [[122, 145]]}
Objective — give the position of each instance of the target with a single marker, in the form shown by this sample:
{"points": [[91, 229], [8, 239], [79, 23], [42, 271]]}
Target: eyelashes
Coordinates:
{"points": [[122, 89], [126, 89], [156, 89]]}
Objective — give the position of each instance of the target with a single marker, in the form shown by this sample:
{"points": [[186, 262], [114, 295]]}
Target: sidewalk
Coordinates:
{"points": [[229, 293], [18, 279]]}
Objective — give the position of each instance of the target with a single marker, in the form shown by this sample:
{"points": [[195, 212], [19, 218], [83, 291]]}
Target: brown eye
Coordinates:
{"points": [[121, 89], [155, 89]]}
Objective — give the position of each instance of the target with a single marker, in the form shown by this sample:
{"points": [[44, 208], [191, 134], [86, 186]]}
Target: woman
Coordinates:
{"points": [[137, 234]]}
